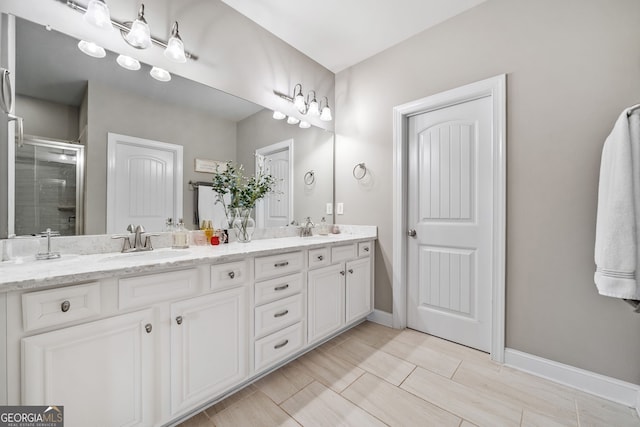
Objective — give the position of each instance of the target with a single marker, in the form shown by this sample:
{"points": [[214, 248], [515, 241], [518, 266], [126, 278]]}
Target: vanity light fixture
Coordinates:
{"points": [[298, 99], [279, 115], [160, 74], [313, 108], [98, 15], [309, 106], [175, 47], [325, 115], [91, 49], [293, 120], [128, 62], [139, 35]]}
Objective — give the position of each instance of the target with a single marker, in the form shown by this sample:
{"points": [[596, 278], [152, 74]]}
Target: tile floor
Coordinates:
{"points": [[377, 376]]}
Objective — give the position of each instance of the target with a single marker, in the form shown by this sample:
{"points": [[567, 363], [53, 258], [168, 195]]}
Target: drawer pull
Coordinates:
{"points": [[148, 328], [280, 345], [281, 264], [366, 248], [351, 271], [65, 306], [281, 288], [320, 257], [179, 320], [281, 313], [342, 272], [232, 275]]}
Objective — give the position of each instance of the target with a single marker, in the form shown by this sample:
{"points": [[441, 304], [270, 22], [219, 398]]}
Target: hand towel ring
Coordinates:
{"points": [[362, 173], [309, 177]]}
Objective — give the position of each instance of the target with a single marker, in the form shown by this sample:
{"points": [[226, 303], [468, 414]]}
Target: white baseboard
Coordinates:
{"points": [[618, 391], [381, 317]]}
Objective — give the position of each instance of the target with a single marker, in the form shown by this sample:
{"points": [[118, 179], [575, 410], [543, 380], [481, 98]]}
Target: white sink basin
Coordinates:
{"points": [[144, 256], [32, 259]]}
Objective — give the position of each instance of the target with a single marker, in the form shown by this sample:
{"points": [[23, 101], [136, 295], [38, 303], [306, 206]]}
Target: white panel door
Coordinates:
{"points": [[209, 339], [276, 210], [451, 211], [144, 183], [101, 372]]}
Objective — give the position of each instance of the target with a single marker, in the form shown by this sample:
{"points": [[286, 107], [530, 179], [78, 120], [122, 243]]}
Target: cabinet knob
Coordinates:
{"points": [[179, 320], [351, 271], [320, 257], [281, 313], [148, 328], [342, 272], [281, 288], [232, 275], [65, 306], [366, 249], [280, 345]]}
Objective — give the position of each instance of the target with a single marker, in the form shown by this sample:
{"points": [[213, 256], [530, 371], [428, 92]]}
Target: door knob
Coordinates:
{"points": [[412, 233]]}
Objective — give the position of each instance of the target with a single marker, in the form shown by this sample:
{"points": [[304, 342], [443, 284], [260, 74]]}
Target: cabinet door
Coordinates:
{"points": [[101, 372], [209, 339], [358, 289], [325, 293]]}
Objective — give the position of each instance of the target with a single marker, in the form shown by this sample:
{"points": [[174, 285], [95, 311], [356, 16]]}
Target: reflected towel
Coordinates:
{"points": [[618, 217], [209, 209]]}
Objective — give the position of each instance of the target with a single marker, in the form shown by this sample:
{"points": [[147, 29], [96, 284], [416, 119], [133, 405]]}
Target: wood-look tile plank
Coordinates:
{"points": [[316, 405], [256, 410], [423, 356], [394, 406], [285, 382], [199, 420], [330, 370], [379, 363], [594, 411], [465, 402], [535, 419], [521, 389], [236, 397], [466, 423]]}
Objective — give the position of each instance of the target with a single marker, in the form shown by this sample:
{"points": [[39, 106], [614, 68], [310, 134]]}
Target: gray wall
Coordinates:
{"points": [[572, 66], [109, 110], [48, 119], [312, 150]]}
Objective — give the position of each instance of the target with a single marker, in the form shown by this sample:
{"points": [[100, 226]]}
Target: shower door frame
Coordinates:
{"points": [[80, 166]]}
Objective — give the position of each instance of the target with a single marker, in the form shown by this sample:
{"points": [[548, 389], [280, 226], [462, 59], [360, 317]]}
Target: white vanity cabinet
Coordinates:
{"points": [[102, 371]]}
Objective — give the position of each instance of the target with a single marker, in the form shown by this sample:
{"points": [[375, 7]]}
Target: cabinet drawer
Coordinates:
{"points": [[276, 265], [281, 287], [344, 252], [152, 288], [319, 257], [365, 248], [276, 347], [57, 306], [278, 314], [229, 274]]}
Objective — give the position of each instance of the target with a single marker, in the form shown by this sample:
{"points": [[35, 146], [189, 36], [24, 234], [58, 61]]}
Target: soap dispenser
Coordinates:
{"points": [[180, 236], [324, 227]]}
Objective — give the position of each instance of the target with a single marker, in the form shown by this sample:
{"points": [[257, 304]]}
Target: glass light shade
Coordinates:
{"points": [[279, 115], [325, 115], [304, 125], [98, 15], [128, 62], [293, 120], [175, 50], [91, 49], [298, 101], [314, 108], [160, 74], [139, 35]]}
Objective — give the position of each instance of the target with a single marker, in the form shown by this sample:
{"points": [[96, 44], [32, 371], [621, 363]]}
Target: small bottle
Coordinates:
{"points": [[180, 236], [208, 229], [168, 225], [323, 230]]}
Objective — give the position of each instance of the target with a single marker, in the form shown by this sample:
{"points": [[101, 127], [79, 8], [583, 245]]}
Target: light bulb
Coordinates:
{"points": [[91, 49], [98, 15], [160, 74], [128, 62], [279, 115]]}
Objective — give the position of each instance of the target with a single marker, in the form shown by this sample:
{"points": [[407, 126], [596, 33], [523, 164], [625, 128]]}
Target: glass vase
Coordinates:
{"points": [[243, 225]]}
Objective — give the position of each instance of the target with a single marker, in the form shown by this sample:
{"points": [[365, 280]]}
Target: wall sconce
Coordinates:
{"points": [[136, 34], [309, 105]]}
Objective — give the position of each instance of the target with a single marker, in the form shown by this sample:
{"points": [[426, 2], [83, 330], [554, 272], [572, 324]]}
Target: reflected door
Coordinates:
{"points": [[276, 210]]}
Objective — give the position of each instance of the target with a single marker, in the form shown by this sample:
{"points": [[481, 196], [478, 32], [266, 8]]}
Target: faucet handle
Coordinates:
{"points": [[49, 232], [126, 242], [131, 228]]}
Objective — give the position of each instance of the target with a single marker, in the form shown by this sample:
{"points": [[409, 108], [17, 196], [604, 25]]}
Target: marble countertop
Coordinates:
{"points": [[70, 268]]}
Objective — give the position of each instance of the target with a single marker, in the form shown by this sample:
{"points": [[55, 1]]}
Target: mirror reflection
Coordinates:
{"points": [[71, 100]]}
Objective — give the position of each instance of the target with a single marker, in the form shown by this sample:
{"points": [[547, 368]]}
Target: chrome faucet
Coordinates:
{"points": [[48, 255], [305, 231], [138, 246]]}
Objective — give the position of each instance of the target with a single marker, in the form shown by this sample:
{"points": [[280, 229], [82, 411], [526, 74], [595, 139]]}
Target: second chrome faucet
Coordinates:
{"points": [[137, 246]]}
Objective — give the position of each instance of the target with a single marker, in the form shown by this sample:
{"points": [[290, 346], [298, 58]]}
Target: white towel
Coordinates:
{"points": [[209, 209], [618, 219]]}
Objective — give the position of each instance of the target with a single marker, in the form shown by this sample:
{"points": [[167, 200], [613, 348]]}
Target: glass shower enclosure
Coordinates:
{"points": [[49, 180]]}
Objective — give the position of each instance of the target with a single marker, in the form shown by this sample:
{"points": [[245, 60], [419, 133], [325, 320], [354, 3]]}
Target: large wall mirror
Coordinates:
{"points": [[71, 103]]}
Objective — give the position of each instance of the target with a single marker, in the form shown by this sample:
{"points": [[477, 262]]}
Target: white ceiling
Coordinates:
{"points": [[340, 33]]}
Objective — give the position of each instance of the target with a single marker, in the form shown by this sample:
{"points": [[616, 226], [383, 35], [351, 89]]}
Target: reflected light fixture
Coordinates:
{"points": [[279, 115], [91, 49], [298, 99], [293, 120], [128, 62], [139, 35], [313, 108], [175, 47], [98, 15], [325, 115], [160, 74], [304, 124]]}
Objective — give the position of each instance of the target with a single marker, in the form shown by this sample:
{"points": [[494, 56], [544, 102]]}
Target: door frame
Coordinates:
{"points": [[494, 87], [269, 149]]}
